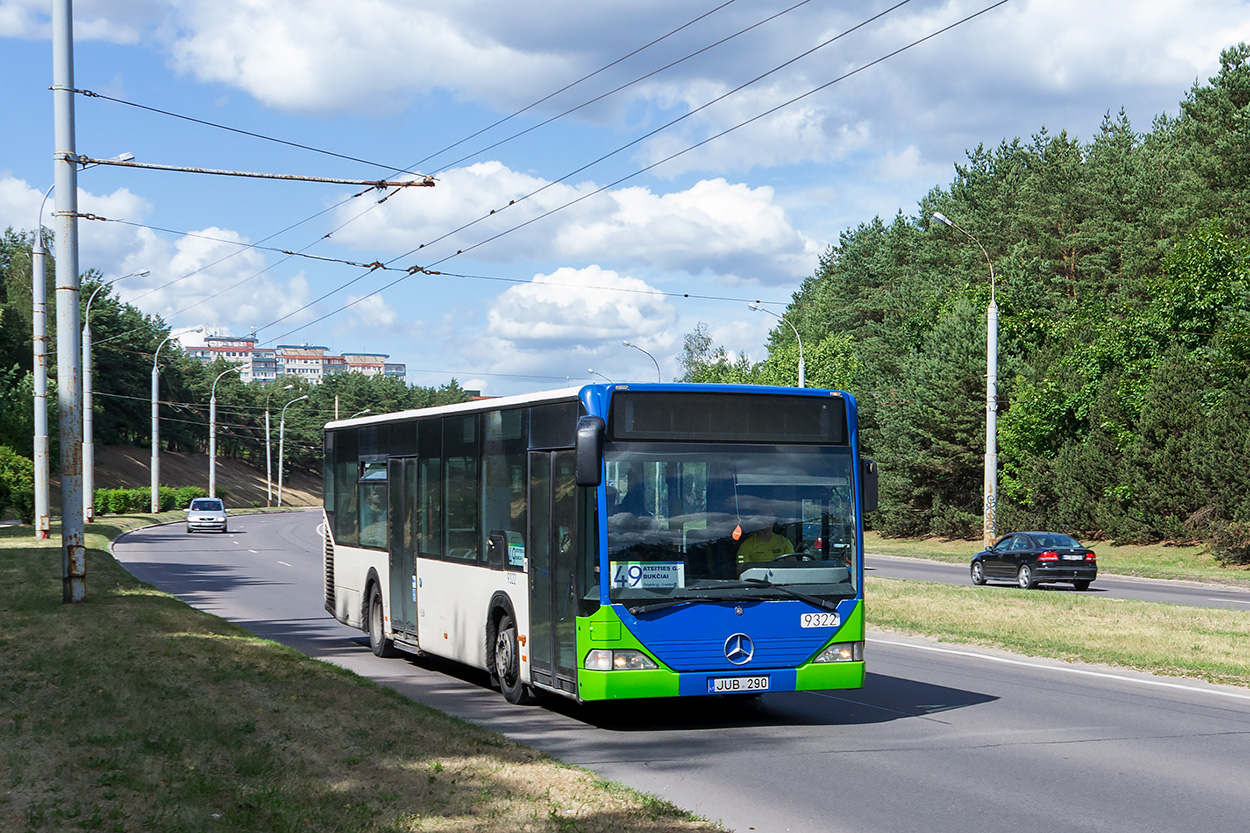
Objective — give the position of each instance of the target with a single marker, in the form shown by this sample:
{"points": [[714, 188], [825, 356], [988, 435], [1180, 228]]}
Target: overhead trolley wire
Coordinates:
{"points": [[570, 86], [573, 173], [770, 111], [393, 168], [625, 86]]}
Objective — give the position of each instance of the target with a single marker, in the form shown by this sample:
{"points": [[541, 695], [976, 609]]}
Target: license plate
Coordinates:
{"points": [[1074, 557], [730, 685], [819, 620]]}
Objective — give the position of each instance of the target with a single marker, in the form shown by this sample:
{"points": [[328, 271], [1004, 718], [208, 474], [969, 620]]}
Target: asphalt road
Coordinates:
{"points": [[1113, 587], [940, 739]]}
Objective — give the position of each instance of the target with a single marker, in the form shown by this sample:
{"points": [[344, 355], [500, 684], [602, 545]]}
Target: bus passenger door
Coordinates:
{"points": [[401, 478], [553, 565]]}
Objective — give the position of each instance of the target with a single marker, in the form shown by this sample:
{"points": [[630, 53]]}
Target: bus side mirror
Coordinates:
{"points": [[588, 456], [868, 483], [496, 543]]}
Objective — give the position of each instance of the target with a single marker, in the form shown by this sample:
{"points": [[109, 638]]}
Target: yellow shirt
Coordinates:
{"points": [[753, 549]]}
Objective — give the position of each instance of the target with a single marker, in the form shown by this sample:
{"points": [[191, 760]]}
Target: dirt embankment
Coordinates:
{"points": [[129, 467]]}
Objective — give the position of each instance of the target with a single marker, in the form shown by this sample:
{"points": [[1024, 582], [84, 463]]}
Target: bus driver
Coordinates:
{"points": [[764, 544]]}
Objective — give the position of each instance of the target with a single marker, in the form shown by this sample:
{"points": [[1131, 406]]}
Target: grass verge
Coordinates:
{"points": [[135, 712], [1166, 561], [1175, 640]]}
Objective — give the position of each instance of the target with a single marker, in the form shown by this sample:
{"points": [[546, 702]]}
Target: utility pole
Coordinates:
{"points": [[989, 526], [212, 432], [68, 348]]}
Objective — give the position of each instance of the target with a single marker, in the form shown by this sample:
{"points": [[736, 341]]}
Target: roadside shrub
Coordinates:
{"points": [[103, 500], [17, 484], [1230, 542], [135, 501], [184, 495]]}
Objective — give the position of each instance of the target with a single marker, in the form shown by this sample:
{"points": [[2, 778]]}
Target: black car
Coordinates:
{"points": [[1033, 558]]}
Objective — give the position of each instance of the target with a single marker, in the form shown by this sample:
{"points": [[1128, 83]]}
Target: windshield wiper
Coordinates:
{"points": [[684, 601], [763, 582]]}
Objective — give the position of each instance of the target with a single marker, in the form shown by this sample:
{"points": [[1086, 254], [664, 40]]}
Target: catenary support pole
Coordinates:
{"points": [[69, 350]]}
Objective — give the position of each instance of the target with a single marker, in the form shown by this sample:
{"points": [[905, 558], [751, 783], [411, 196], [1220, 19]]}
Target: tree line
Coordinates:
{"points": [[1122, 272], [124, 342]]}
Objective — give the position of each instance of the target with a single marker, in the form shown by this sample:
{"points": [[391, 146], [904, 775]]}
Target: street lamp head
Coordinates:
{"points": [[942, 218]]}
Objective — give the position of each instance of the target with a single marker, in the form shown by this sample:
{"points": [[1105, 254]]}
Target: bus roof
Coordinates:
{"points": [[583, 393]]}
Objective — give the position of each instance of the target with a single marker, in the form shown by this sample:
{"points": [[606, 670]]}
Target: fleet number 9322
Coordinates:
{"points": [[819, 620]]}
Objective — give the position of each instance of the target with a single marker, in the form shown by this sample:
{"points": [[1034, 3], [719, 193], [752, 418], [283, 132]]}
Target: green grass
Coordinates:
{"points": [[134, 712], [1175, 640], [1192, 563]]}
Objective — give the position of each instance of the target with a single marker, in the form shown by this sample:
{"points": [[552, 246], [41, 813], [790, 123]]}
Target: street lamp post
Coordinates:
{"points": [[212, 431], [648, 355], [802, 372], [39, 329], [361, 413], [156, 424], [269, 450], [990, 518], [88, 415], [591, 370], [281, 442]]}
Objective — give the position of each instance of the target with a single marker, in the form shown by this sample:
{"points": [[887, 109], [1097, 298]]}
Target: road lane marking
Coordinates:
{"points": [[284, 564], [1067, 669]]}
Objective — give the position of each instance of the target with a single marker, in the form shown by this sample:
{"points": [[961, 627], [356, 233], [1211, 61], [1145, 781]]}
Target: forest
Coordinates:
{"points": [[1121, 278]]}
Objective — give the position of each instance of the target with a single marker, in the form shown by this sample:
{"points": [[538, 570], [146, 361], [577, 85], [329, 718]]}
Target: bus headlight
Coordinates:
{"points": [[604, 660], [842, 652]]}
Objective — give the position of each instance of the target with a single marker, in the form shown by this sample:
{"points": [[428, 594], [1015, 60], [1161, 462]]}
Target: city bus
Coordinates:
{"points": [[595, 543]]}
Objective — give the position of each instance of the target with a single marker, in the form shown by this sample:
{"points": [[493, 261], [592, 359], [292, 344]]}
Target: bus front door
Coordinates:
{"points": [[401, 478], [553, 566]]}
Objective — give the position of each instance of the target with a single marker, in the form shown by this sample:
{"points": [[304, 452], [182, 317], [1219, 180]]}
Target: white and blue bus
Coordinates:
{"points": [[613, 541]]}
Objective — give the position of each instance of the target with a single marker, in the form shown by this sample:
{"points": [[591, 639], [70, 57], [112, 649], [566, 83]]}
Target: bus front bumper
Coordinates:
{"points": [[620, 685]]}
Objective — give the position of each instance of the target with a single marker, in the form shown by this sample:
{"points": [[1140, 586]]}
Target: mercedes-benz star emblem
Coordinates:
{"points": [[739, 649]]}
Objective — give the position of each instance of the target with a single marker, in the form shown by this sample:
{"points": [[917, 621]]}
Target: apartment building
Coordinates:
{"points": [[307, 361]]}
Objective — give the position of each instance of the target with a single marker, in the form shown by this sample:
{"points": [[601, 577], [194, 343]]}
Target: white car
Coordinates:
{"points": [[206, 514]]}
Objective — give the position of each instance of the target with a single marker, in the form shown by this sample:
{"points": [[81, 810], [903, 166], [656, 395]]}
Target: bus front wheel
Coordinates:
{"points": [[508, 662], [378, 642]]}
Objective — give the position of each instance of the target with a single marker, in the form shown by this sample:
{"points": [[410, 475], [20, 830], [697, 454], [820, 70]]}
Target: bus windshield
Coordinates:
{"points": [[706, 522]]}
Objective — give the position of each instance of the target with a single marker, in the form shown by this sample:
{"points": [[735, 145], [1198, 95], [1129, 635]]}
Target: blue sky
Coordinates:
{"points": [[603, 223]]}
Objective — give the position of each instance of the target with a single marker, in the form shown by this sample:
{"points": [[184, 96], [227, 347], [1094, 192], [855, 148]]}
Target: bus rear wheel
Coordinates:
{"points": [[508, 662]]}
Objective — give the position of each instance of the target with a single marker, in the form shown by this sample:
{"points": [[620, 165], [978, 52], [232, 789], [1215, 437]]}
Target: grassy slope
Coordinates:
{"points": [[135, 712]]}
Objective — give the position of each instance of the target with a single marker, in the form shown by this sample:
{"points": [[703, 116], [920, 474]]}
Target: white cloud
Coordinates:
{"points": [[730, 230], [561, 323], [573, 307], [323, 55], [372, 313], [208, 278], [100, 20], [111, 248]]}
